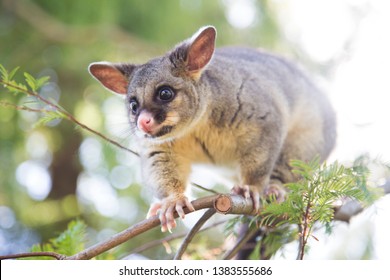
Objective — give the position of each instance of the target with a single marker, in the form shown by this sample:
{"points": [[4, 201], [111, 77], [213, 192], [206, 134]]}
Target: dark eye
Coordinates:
{"points": [[165, 94], [133, 106]]}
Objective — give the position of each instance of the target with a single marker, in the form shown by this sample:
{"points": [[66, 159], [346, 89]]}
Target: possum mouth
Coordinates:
{"points": [[163, 131]]}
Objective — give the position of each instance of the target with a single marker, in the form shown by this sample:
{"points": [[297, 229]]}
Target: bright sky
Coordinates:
{"points": [[359, 88]]}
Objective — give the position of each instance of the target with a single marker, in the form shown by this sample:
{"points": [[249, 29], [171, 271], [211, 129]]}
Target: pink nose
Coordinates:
{"points": [[146, 122]]}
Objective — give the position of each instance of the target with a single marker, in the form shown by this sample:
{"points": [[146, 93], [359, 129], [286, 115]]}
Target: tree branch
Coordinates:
{"points": [[221, 203], [206, 216], [169, 238], [23, 108], [346, 211], [34, 254], [135, 230], [243, 240]]}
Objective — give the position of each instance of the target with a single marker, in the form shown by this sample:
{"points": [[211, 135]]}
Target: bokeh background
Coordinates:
{"points": [[52, 174]]}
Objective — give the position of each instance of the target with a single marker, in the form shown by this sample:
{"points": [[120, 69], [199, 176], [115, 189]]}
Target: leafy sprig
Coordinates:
{"points": [[51, 111], [312, 199], [69, 242]]}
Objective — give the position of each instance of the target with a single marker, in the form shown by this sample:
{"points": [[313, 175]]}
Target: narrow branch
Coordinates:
{"points": [[203, 188], [233, 204], [133, 231], [350, 209], [169, 238], [23, 108], [243, 240], [300, 243], [304, 228], [206, 216], [154, 243], [34, 254]]}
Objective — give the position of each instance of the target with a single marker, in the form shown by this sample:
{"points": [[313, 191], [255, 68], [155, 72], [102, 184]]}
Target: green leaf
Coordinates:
{"points": [[68, 243], [42, 81], [12, 73], [48, 117], [4, 73], [31, 81], [6, 76]]}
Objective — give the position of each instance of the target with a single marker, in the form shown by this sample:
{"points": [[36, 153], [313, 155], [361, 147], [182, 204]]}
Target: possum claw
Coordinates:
{"points": [[248, 192], [166, 211]]}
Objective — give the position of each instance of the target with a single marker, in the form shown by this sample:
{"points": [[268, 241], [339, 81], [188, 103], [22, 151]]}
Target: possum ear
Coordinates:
{"points": [[113, 76], [201, 49], [193, 55]]}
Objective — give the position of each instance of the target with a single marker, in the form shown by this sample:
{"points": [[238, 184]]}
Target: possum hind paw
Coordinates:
{"points": [[248, 192], [275, 192]]}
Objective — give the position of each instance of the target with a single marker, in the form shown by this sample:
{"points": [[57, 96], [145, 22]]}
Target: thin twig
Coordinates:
{"points": [[203, 188], [34, 254], [169, 238], [195, 229], [154, 243], [243, 240], [24, 108]]}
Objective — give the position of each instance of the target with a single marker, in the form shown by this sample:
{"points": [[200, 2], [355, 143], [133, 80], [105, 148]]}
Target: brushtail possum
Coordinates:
{"points": [[227, 106]]}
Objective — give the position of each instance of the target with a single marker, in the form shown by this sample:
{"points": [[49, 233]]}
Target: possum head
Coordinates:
{"points": [[164, 96]]}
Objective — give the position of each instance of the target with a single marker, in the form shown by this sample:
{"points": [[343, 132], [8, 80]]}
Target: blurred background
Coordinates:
{"points": [[52, 174]]}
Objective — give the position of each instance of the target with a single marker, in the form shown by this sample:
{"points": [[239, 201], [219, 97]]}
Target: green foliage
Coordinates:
{"points": [[312, 199], [7, 79], [273, 240], [310, 202], [48, 115], [34, 83], [5, 76], [68, 243], [318, 190]]}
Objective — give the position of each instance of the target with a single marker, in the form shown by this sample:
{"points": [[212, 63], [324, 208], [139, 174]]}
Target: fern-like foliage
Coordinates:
{"points": [[49, 110], [7, 79], [312, 198], [68, 243], [34, 83]]}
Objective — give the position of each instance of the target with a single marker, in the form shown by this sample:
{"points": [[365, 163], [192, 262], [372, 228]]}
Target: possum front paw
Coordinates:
{"points": [[166, 208], [249, 192]]}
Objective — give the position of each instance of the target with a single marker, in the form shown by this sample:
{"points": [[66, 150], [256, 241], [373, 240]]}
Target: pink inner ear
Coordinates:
{"points": [[110, 77], [201, 50]]}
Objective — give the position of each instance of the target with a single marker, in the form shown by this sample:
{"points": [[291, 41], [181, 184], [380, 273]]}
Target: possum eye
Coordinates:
{"points": [[165, 94], [133, 106]]}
